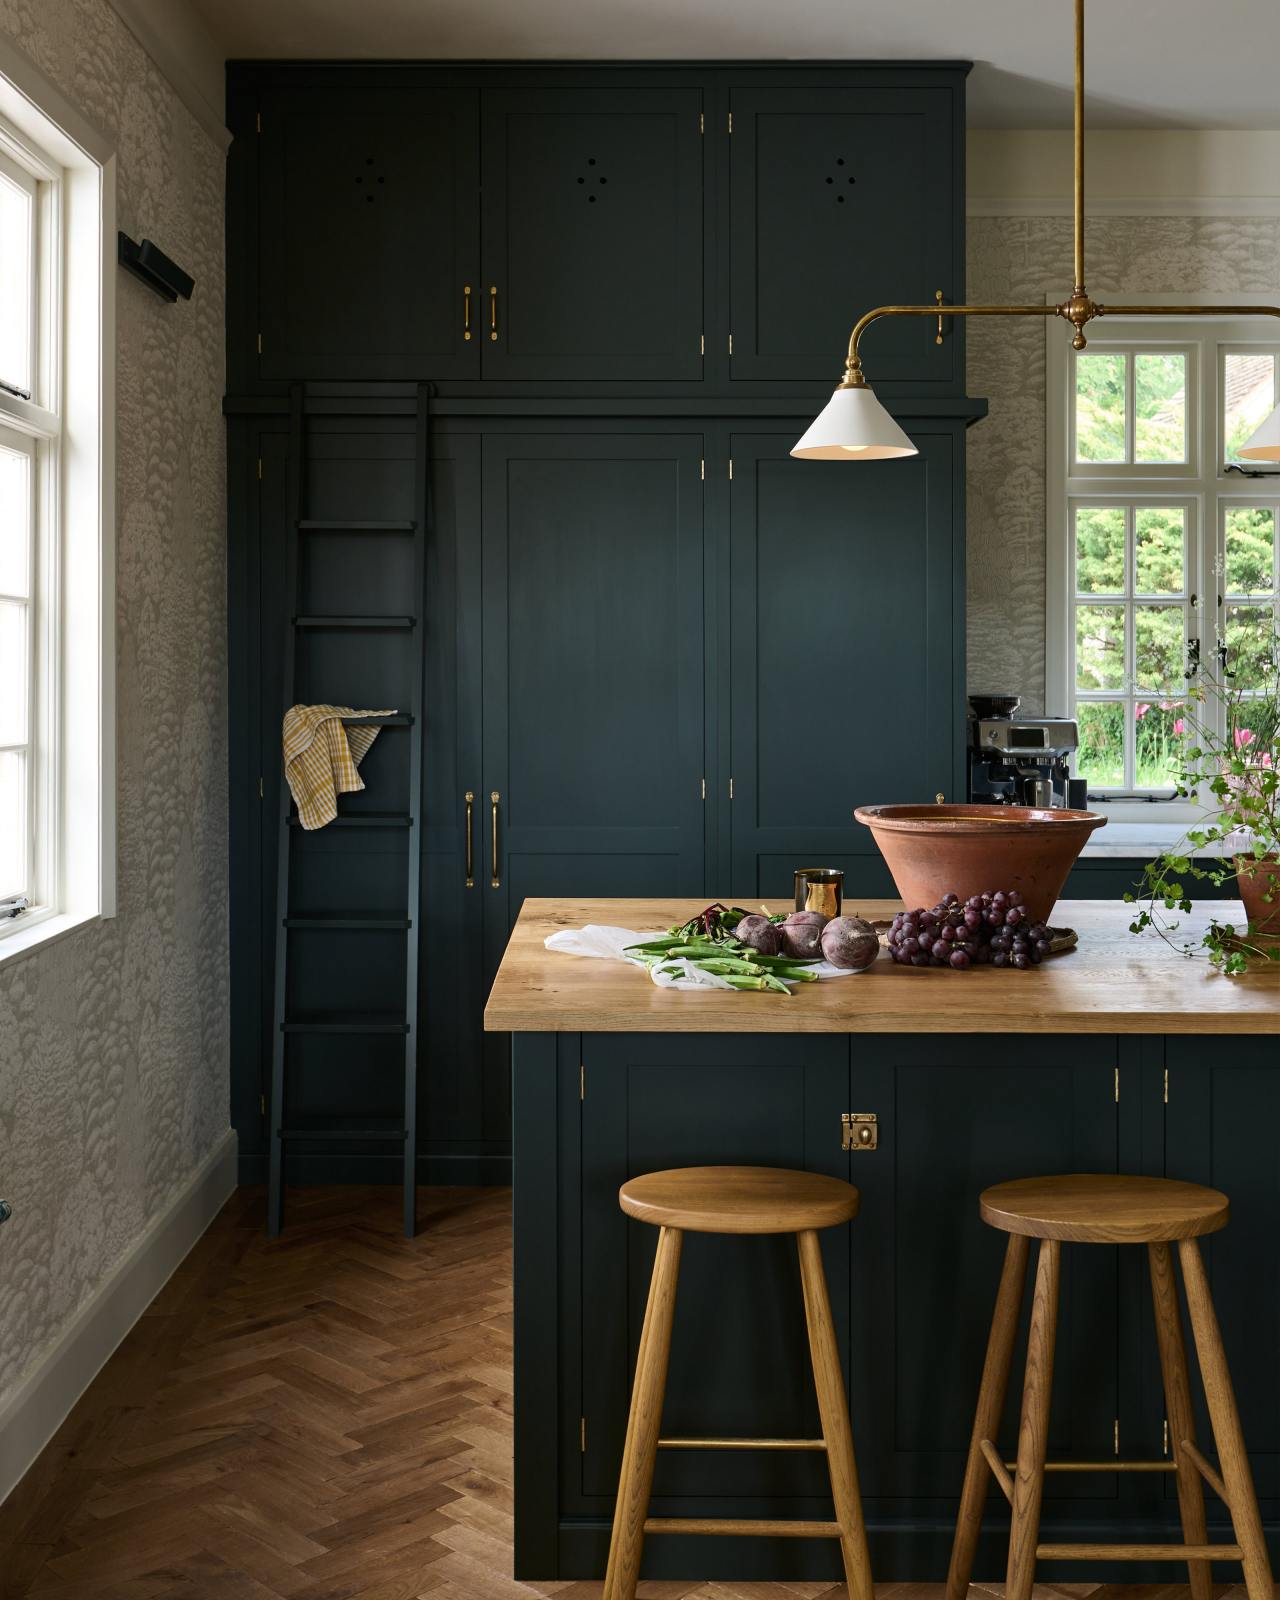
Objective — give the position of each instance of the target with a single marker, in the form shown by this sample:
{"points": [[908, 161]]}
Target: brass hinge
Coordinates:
{"points": [[702, 469], [257, 121], [731, 122], [702, 344], [704, 788], [1166, 1086], [730, 469], [731, 788], [261, 795], [1117, 1085], [262, 1104], [582, 1435], [259, 469], [730, 344], [1165, 1446], [702, 123], [859, 1130], [582, 1081], [1115, 1435], [259, 344]]}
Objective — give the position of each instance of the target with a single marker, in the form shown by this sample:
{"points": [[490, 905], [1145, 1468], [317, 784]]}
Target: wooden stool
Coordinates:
{"points": [[1089, 1209], [735, 1200]]}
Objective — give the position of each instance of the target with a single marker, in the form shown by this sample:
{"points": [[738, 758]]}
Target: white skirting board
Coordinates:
{"points": [[38, 1405]]}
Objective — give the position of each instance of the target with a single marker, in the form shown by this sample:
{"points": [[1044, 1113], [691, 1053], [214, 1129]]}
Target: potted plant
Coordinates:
{"points": [[1233, 762]]}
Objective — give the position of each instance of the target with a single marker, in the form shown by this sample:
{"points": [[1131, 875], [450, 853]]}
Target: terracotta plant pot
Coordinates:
{"points": [[1257, 879], [937, 850]]}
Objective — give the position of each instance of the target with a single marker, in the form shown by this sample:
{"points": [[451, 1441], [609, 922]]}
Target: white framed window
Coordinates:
{"points": [[1162, 545], [57, 732]]}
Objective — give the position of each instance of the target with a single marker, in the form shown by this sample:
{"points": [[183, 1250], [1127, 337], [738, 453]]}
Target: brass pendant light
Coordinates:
{"points": [[854, 426]]}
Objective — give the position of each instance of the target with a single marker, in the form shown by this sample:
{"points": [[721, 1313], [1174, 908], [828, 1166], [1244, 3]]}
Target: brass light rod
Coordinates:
{"points": [[1079, 309]]}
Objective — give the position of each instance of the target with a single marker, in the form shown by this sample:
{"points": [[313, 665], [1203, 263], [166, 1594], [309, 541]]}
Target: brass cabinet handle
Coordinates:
{"points": [[466, 311], [495, 882], [471, 853], [493, 311]]}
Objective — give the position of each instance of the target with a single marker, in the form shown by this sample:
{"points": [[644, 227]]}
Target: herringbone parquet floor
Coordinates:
{"points": [[323, 1417]]}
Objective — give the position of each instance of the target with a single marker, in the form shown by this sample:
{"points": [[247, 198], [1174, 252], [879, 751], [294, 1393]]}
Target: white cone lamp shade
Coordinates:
{"points": [[1264, 443], [853, 426]]}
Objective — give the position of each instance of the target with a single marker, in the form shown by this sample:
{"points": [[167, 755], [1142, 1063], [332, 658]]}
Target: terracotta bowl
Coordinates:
{"points": [[936, 850]]}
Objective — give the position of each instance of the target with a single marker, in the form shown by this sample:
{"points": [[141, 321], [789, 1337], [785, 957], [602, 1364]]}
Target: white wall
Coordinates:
{"points": [[114, 1041]]}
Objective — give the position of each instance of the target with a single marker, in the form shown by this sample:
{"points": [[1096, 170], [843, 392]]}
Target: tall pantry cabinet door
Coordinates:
{"points": [[841, 200], [844, 682], [370, 233], [593, 234]]}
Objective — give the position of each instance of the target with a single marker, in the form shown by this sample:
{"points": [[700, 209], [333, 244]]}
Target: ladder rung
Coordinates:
{"points": [[1138, 1552], [396, 1134], [762, 1527], [361, 819], [355, 1023], [370, 622], [312, 525], [380, 924]]}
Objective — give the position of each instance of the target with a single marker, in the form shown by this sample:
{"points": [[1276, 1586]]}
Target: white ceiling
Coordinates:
{"points": [[1150, 63]]}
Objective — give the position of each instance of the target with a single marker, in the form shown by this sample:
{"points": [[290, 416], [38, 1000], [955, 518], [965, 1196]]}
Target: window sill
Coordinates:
{"points": [[1122, 839], [42, 929]]}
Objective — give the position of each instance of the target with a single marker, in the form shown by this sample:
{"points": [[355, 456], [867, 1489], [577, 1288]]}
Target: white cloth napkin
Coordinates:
{"points": [[609, 944]]}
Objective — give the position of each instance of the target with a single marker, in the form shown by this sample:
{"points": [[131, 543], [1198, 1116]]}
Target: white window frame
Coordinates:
{"points": [[1201, 483], [68, 423]]}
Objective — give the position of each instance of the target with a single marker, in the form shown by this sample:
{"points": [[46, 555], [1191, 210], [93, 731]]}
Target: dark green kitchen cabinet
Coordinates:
{"points": [[369, 226], [593, 218], [842, 199], [844, 677]]}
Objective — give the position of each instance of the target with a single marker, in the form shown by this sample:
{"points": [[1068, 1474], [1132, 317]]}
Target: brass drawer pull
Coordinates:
{"points": [[471, 843], [493, 311], [466, 311], [495, 882]]}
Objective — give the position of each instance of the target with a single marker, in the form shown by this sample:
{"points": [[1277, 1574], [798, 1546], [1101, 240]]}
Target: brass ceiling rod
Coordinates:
{"points": [[1079, 309]]}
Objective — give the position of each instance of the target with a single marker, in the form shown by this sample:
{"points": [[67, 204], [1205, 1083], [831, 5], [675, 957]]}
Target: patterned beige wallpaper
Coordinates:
{"points": [[113, 1042], [1016, 259]]}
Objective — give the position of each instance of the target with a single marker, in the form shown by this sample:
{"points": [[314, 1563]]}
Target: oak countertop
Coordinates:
{"points": [[1115, 982]]}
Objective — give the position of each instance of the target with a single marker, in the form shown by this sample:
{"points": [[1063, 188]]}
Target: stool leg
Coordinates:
{"points": [[1033, 1433], [1177, 1402], [833, 1408], [644, 1423], [986, 1424], [1226, 1423]]}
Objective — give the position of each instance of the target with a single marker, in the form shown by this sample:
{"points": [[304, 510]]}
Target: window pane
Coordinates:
{"points": [[1250, 554], [1100, 647], [1253, 724], [1100, 758], [13, 673], [1159, 534], [1251, 646], [1160, 407], [1158, 646], [13, 822], [1158, 728], [15, 521], [1100, 549], [16, 309], [1249, 386], [1100, 403]]}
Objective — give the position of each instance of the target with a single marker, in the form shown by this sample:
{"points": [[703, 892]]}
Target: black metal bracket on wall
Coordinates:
{"points": [[155, 268]]}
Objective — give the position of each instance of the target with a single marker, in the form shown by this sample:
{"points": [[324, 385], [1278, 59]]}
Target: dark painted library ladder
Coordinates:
{"points": [[286, 1025]]}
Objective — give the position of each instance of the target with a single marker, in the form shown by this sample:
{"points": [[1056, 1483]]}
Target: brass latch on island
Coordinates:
{"points": [[859, 1130]]}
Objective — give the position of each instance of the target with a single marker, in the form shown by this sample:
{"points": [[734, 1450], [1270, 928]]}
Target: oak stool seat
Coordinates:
{"points": [[742, 1200], [739, 1200], [1108, 1208], [1104, 1208]]}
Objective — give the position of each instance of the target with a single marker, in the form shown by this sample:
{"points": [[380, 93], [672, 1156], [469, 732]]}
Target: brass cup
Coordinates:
{"points": [[820, 889]]}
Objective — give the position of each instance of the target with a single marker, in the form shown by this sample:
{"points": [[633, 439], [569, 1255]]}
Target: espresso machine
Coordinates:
{"points": [[1021, 761]]}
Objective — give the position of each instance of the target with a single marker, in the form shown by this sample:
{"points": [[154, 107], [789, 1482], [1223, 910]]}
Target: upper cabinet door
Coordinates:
{"points": [[844, 199], [370, 234], [593, 234]]}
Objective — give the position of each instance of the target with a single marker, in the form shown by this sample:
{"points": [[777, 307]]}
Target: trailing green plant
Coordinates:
{"points": [[1231, 765]]}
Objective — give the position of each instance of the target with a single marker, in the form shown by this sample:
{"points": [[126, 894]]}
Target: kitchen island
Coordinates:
{"points": [[1118, 1056]]}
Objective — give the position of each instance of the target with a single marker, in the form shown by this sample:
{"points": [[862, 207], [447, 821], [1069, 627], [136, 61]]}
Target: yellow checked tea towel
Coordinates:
{"points": [[321, 755]]}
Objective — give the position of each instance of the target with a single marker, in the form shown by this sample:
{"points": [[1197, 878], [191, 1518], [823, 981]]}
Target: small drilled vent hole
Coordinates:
{"points": [[838, 179], [591, 179], [369, 182]]}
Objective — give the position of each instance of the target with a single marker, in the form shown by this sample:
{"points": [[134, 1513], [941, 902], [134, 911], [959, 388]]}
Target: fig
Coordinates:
{"points": [[851, 943], [760, 934], [802, 935]]}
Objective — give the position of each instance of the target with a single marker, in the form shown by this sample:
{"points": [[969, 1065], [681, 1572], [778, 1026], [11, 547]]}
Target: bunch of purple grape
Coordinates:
{"points": [[987, 929]]}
